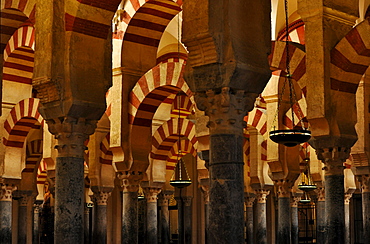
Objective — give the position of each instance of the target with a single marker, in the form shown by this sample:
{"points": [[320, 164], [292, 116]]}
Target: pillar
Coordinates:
{"points": [[261, 223], [347, 223], [71, 134], [164, 198], [87, 224], [130, 186], [100, 199], [365, 182], [36, 222], [151, 194], [180, 217], [249, 199], [320, 216], [333, 159], [23, 199], [294, 218], [187, 208], [284, 224], [6, 212]]}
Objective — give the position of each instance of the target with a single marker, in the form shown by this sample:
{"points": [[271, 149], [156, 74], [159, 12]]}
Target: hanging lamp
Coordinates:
{"points": [[180, 177], [306, 184], [290, 137], [305, 199]]}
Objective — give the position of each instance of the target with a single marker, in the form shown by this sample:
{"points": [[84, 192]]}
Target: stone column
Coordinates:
{"points": [[365, 182], [187, 218], [71, 133], [86, 224], [333, 159], [284, 224], [151, 194], [249, 200], [320, 216], [100, 199], [347, 223], [180, 217], [205, 191], [130, 186], [36, 222], [294, 213], [6, 212], [23, 199], [164, 198], [261, 223], [226, 193]]}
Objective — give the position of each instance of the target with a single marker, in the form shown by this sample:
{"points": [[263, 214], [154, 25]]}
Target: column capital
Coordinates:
{"points": [[130, 180], [22, 196], [283, 188], [6, 191], [365, 183], [101, 197], [151, 193], [261, 195], [320, 191], [71, 134], [347, 198], [187, 200], [295, 199], [249, 199], [226, 109], [164, 197], [205, 191], [333, 158]]}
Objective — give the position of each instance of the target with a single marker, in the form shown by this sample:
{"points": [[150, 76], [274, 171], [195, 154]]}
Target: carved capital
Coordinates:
{"points": [[283, 188], [164, 198], [71, 134], [187, 200], [48, 90], [347, 198], [333, 158], [130, 180], [101, 197], [205, 191], [6, 192], [151, 193], [261, 195], [320, 191], [249, 200], [365, 183], [294, 201], [23, 197], [226, 109]]}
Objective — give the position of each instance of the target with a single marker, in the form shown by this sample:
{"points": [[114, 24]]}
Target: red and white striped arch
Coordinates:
{"points": [[13, 14], [155, 87], [22, 118], [182, 106], [165, 139], [296, 32], [42, 173], [106, 155], [19, 56], [34, 153], [185, 147], [350, 58]]}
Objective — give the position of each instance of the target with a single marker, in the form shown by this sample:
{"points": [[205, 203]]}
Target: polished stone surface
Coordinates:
{"points": [[129, 218]]}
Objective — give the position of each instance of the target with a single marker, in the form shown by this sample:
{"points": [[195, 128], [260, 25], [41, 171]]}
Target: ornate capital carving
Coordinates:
{"points": [[283, 188], [151, 193], [249, 200], [130, 180], [261, 195], [226, 109], [365, 183], [205, 191], [101, 197], [294, 201], [187, 200], [71, 134], [347, 198], [6, 192], [164, 198], [333, 158], [23, 197], [320, 194]]}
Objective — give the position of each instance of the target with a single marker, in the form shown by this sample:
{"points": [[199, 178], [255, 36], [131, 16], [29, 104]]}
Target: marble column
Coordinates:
{"points": [[320, 216], [365, 187], [100, 199], [23, 199], [226, 111], [151, 194], [187, 208], [249, 201], [284, 217], [347, 223], [333, 159], [130, 185], [261, 223], [294, 218], [71, 134], [86, 224], [205, 192], [180, 218], [6, 212], [36, 222], [163, 200]]}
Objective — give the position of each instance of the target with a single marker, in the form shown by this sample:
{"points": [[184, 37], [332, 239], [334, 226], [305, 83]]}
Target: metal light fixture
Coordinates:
{"points": [[306, 184], [305, 199], [180, 177], [291, 137]]}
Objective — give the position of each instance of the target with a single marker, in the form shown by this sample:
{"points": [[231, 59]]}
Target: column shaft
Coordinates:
{"points": [[226, 194], [86, 224], [366, 214], [347, 226], [320, 222], [6, 221], [283, 235], [129, 218], [100, 226], [294, 219], [69, 200], [187, 219], [152, 229], [260, 222], [22, 224], [165, 224], [36, 223], [249, 224], [334, 209]]}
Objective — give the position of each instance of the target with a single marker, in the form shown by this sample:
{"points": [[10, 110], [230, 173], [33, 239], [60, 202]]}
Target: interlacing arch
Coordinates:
{"points": [[22, 118], [155, 87], [19, 56], [34, 153]]}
